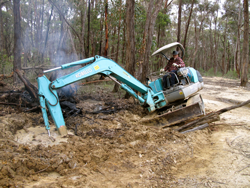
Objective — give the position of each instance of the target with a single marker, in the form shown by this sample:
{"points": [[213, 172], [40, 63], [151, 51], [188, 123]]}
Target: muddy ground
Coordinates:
{"points": [[115, 150]]}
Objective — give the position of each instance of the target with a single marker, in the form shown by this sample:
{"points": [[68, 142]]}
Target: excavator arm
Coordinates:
{"points": [[96, 65]]}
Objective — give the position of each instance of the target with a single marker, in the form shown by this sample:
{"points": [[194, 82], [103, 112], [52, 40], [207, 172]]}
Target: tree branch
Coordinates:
{"points": [[59, 11]]}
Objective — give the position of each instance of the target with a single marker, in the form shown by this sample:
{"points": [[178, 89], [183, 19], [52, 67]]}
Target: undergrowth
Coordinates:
{"points": [[210, 73]]}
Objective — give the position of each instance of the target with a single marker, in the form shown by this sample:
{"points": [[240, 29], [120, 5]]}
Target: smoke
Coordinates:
{"points": [[47, 40], [60, 52]]}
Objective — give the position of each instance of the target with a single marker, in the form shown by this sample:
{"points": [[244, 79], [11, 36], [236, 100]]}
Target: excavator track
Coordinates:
{"points": [[194, 107]]}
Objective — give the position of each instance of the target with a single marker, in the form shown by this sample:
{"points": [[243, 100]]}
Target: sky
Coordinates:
{"points": [[174, 10]]}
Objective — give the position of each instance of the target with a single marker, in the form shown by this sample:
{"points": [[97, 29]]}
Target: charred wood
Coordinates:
{"points": [[28, 86]]}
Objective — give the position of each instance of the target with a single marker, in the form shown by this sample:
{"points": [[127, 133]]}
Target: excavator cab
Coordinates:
{"points": [[183, 100]]}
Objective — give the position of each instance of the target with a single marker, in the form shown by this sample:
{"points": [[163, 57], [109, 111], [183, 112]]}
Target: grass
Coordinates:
{"points": [[210, 73], [231, 74]]}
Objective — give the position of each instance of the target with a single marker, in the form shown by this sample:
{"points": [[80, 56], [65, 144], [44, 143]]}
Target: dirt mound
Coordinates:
{"points": [[109, 147], [9, 124], [106, 145]]}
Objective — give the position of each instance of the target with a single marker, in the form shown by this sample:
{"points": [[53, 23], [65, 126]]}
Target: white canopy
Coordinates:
{"points": [[165, 48]]}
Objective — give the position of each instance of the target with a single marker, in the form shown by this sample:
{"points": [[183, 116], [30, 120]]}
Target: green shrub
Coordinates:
{"points": [[209, 73], [231, 74]]}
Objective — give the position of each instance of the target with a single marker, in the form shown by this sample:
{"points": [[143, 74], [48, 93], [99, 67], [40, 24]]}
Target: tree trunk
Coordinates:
{"points": [[66, 21], [145, 34], [1, 30], [149, 12], [124, 42], [245, 52], [197, 35], [113, 45], [189, 18], [88, 37], [47, 32], [83, 14], [100, 42], [224, 51], [41, 30], [130, 38], [211, 44], [179, 22], [75, 58], [106, 30], [237, 48], [162, 37], [116, 86], [204, 48], [118, 40], [31, 27], [215, 45], [145, 64], [196, 43], [228, 57], [17, 38]]}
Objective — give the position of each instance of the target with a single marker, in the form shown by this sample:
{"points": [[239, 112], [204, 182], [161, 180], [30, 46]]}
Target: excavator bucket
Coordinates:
{"points": [[194, 108]]}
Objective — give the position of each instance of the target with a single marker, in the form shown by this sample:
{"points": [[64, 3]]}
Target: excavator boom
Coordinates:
{"points": [[97, 65]]}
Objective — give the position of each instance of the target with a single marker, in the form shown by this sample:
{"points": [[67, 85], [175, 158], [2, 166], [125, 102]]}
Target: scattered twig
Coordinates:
{"points": [[42, 169], [228, 143], [247, 128], [34, 108], [90, 119], [218, 182], [243, 168], [6, 103], [52, 139], [12, 141], [234, 139]]}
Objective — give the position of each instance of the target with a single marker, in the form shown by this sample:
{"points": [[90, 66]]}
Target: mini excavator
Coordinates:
{"points": [[175, 104]]}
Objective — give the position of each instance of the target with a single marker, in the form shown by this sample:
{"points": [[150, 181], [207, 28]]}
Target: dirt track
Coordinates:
{"points": [[116, 151]]}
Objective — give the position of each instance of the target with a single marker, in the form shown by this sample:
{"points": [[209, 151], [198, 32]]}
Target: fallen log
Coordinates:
{"points": [[196, 128], [28, 86], [210, 115]]}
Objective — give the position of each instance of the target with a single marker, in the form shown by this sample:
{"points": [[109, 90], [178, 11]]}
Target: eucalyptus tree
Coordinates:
{"points": [[149, 31], [17, 37], [201, 12], [244, 70]]}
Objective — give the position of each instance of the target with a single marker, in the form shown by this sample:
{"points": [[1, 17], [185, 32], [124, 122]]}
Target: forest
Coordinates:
{"points": [[39, 34]]}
